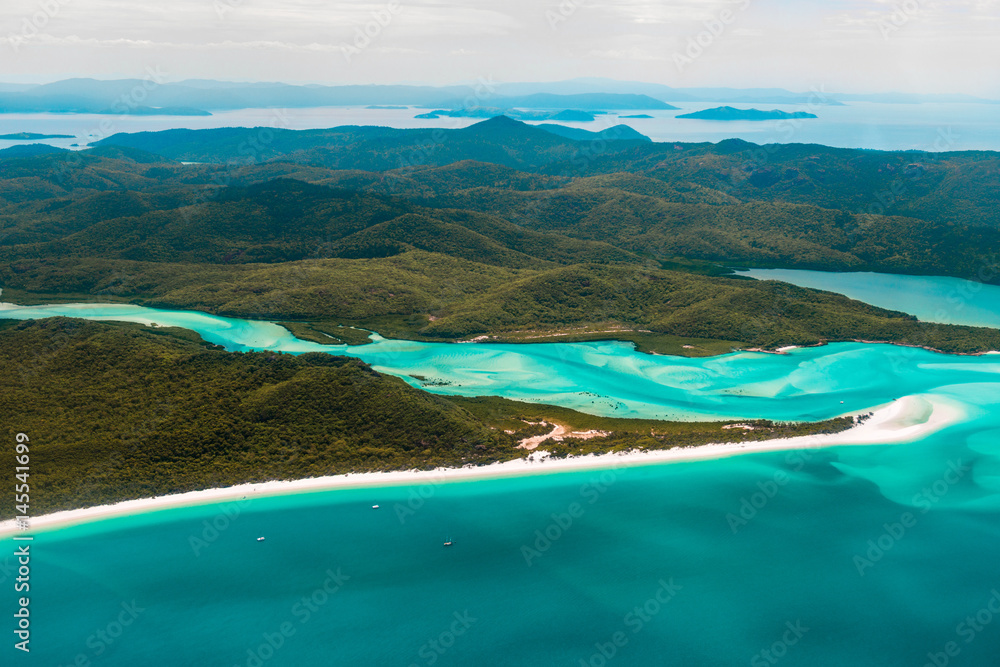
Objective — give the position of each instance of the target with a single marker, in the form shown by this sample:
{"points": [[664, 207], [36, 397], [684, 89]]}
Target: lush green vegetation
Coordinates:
{"points": [[942, 188], [561, 200], [430, 296], [119, 411], [499, 230], [472, 249], [523, 419], [328, 333]]}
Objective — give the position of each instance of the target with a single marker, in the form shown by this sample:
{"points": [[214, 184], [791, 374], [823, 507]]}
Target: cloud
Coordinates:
{"points": [[627, 54], [945, 45], [669, 13]]}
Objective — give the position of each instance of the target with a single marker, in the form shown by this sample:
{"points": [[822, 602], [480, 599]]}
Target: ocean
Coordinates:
{"points": [[862, 555], [931, 127], [869, 555]]}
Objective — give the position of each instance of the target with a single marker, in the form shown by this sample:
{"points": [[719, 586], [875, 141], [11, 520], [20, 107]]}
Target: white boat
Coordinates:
{"points": [[260, 539], [374, 507]]}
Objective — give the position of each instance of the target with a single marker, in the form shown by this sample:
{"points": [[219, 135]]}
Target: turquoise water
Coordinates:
{"points": [[607, 378], [870, 555], [929, 298]]}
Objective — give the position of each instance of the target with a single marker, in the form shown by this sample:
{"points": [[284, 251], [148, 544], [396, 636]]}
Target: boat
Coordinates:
{"points": [[260, 539], [374, 507], [448, 543]]}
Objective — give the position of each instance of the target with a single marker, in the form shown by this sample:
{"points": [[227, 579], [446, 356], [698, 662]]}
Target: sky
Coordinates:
{"points": [[862, 46]]}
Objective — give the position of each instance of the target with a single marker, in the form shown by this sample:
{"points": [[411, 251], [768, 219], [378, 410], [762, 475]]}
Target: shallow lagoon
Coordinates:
{"points": [[606, 378]]}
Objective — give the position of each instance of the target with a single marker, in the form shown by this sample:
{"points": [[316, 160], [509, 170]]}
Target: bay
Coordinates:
{"points": [[937, 299], [864, 555]]}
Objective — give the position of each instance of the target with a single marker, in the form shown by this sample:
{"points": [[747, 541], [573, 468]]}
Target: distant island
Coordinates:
{"points": [[638, 115], [31, 136], [566, 115], [83, 95], [122, 110], [729, 113], [379, 107]]}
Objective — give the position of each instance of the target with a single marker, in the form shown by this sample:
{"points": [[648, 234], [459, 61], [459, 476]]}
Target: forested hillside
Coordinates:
{"points": [[120, 411], [499, 230]]}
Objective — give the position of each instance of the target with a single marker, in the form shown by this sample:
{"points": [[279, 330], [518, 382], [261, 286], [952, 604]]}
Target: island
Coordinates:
{"points": [[729, 113], [121, 110], [533, 231], [638, 115], [32, 136], [566, 115]]}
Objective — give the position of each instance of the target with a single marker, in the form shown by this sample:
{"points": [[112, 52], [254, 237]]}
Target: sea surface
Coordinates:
{"points": [[929, 127], [928, 298], [864, 555]]}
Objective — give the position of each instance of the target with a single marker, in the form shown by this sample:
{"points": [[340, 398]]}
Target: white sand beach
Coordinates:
{"points": [[904, 420]]}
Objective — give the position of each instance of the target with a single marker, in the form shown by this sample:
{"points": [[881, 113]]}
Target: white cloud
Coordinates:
{"points": [[946, 45]]}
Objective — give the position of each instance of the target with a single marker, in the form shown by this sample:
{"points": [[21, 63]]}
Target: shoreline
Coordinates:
{"points": [[486, 338], [904, 420]]}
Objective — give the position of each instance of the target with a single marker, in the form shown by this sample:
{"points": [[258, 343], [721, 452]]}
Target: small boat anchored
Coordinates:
{"points": [[260, 539], [374, 507], [448, 543]]}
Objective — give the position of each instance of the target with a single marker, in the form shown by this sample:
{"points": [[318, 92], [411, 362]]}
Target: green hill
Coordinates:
{"points": [[499, 229], [470, 247], [121, 411]]}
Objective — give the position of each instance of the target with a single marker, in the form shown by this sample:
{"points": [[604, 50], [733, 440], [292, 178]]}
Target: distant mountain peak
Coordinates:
{"points": [[30, 150], [616, 133], [502, 125], [500, 121]]}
